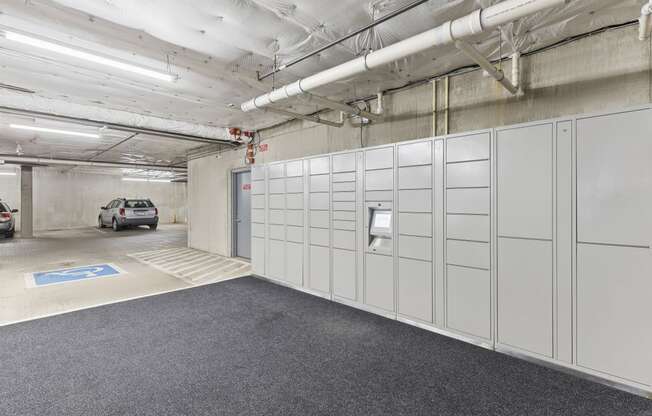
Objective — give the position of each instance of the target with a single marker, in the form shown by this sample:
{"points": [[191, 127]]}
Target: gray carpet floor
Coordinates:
{"points": [[248, 347]]}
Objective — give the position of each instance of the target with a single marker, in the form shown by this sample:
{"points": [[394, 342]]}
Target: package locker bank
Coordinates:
{"points": [[531, 239]]}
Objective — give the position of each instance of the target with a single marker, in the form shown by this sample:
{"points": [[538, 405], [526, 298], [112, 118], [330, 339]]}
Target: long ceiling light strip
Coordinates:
{"points": [[131, 179], [75, 53], [56, 131]]}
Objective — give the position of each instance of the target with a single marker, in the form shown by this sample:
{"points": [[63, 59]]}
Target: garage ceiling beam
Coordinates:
{"points": [[40, 161], [114, 126]]}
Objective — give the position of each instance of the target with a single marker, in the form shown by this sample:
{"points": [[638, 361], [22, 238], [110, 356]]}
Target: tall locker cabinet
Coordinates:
{"points": [[614, 234], [276, 221], [319, 231], [468, 235], [258, 219], [294, 218]]}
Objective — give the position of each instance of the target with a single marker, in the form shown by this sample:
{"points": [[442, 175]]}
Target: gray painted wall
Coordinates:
{"points": [[71, 198], [606, 71]]}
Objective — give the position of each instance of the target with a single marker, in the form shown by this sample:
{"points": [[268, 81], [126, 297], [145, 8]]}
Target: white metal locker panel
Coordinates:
{"points": [[257, 230], [343, 206], [468, 301], [468, 253], [276, 217], [257, 187], [343, 196], [379, 180], [276, 258], [258, 173], [294, 263], [294, 201], [344, 177], [379, 196], [277, 201], [415, 154], [344, 274], [418, 224], [614, 179], [344, 225], [319, 219], [319, 201], [467, 201], [524, 192], [277, 232], [344, 215], [419, 248], [294, 168], [319, 165], [379, 158], [419, 200], [379, 281], [319, 183], [319, 236], [276, 171], [294, 234], [525, 295], [473, 147], [344, 162], [415, 289], [320, 269], [344, 239], [294, 218], [613, 311], [277, 186], [258, 215], [415, 177], [343, 186], [294, 185], [468, 227], [468, 174], [258, 201], [258, 255]]}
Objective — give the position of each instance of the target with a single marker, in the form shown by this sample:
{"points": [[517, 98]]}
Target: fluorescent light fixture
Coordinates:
{"points": [[7, 173], [145, 180], [46, 130], [75, 53]]}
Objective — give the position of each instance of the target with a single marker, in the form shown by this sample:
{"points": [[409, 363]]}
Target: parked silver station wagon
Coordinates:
{"points": [[7, 220], [121, 213]]}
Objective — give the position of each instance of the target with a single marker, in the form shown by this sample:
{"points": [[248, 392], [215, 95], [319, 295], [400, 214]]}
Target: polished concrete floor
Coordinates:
{"points": [[72, 248]]}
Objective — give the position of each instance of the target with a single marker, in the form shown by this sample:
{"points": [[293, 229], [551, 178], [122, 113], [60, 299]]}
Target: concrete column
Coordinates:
{"points": [[26, 205]]}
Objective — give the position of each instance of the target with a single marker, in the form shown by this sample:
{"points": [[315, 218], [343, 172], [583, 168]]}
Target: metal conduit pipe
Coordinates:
{"points": [[472, 24], [477, 57], [28, 160]]}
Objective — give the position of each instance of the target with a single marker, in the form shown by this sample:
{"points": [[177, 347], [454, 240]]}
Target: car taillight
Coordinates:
{"points": [[155, 211], [122, 212], [5, 216]]}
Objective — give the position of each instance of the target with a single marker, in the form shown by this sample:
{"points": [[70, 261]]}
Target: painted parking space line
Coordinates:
{"points": [[52, 277]]}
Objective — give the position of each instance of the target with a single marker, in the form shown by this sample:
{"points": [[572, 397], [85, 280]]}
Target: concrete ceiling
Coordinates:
{"points": [[216, 47]]}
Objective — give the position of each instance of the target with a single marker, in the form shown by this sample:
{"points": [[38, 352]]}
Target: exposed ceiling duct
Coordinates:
{"points": [[472, 24], [41, 161]]}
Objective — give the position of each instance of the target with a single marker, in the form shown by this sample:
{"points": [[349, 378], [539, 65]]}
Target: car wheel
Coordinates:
{"points": [[100, 223], [10, 234], [153, 227], [114, 225]]}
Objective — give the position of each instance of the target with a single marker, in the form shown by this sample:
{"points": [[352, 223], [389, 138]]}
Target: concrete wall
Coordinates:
{"points": [[606, 71], [71, 198]]}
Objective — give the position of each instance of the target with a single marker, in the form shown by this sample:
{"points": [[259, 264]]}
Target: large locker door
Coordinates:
{"points": [[258, 223], [614, 233], [525, 262], [319, 220]]}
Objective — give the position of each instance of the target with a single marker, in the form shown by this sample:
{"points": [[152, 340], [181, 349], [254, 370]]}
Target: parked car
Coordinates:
{"points": [[121, 213], [7, 220]]}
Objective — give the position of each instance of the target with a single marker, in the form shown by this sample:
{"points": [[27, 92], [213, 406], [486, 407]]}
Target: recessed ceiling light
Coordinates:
{"points": [[76, 53], [7, 173], [56, 131]]}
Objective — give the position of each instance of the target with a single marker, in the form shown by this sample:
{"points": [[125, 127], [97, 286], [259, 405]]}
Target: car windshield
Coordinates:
{"points": [[138, 203], [4, 207]]}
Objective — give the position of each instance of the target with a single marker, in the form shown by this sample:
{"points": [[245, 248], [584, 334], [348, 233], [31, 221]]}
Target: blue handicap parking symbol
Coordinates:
{"points": [[77, 273]]}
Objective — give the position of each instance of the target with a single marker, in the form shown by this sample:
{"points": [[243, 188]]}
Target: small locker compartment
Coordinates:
{"points": [[344, 274], [320, 269], [415, 154], [472, 147], [382, 158], [276, 258], [258, 255], [379, 281], [415, 289], [468, 304], [294, 263]]}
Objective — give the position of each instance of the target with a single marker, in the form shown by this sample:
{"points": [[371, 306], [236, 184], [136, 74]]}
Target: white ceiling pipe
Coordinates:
{"points": [[516, 70], [645, 21], [479, 21], [27, 160]]}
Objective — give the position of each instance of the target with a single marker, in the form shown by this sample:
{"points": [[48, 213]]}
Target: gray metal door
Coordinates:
{"points": [[242, 214]]}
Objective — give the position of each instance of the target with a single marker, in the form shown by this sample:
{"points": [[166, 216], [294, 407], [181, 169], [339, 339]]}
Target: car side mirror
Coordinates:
{"points": [[14, 211], [103, 208]]}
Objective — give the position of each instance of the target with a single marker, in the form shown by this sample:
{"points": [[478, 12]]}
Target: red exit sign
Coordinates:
{"points": [[246, 186], [263, 147]]}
